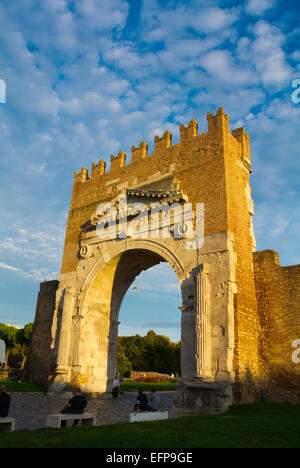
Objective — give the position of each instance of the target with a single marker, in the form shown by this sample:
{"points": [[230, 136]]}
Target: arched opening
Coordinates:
{"points": [[150, 324], [95, 350]]}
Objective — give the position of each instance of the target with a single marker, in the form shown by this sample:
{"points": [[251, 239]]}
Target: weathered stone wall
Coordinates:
{"points": [[40, 363], [247, 364], [278, 296]]}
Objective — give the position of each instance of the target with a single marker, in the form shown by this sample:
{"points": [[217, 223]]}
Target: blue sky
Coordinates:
{"points": [[87, 78]]}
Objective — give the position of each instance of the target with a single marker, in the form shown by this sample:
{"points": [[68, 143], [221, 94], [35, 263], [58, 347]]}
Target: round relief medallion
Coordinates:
{"points": [[84, 251]]}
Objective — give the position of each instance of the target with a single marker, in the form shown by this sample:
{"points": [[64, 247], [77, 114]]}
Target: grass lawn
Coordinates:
{"points": [[13, 386], [268, 425], [127, 386], [131, 386]]}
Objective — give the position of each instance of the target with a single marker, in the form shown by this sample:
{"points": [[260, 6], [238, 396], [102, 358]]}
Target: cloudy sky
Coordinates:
{"points": [[87, 78]]}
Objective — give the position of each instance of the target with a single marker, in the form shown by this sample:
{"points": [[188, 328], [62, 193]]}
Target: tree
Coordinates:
{"points": [[151, 353], [124, 366], [23, 338], [9, 335], [133, 347]]}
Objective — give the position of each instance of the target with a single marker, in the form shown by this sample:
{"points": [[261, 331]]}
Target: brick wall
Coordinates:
{"points": [[278, 296], [40, 363]]}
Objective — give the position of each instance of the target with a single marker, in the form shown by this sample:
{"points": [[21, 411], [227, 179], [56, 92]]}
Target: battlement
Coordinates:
{"points": [[140, 152], [218, 131]]}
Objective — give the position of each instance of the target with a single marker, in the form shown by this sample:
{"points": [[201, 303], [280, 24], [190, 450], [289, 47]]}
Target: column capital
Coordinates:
{"points": [[203, 268], [185, 308]]}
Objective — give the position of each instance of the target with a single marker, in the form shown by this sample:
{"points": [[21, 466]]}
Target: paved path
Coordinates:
{"points": [[31, 409]]}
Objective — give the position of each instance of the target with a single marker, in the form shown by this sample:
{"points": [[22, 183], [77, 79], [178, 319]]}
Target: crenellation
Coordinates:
{"points": [[102, 166], [140, 152], [98, 169], [117, 161], [190, 131], [162, 143], [84, 174], [218, 125], [243, 138]]}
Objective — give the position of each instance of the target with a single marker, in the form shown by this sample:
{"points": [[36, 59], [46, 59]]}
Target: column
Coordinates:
{"points": [[202, 324], [187, 343], [62, 365]]}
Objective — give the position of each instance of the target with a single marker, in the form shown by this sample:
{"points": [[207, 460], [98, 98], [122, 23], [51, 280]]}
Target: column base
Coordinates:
{"points": [[199, 397], [61, 382], [61, 370]]}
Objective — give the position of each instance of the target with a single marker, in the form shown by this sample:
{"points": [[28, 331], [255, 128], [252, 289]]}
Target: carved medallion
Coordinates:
{"points": [[84, 251]]}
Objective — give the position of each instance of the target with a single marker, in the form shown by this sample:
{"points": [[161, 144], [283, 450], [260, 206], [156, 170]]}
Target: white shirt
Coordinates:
{"points": [[117, 382]]}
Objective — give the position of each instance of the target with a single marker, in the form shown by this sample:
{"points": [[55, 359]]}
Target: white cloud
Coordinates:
{"points": [[221, 65], [237, 102], [258, 7], [91, 102], [39, 252], [102, 15], [277, 227], [213, 19], [166, 24], [159, 280], [266, 54], [8, 267]]}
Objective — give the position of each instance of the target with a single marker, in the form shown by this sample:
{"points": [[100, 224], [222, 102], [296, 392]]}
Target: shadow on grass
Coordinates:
{"points": [[133, 386], [248, 426]]}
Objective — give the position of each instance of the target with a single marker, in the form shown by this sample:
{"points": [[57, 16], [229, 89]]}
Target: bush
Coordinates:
{"points": [[174, 380], [15, 357], [157, 379]]}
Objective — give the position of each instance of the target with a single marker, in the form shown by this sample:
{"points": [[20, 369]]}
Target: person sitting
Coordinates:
{"points": [[76, 405], [142, 402], [4, 402], [155, 401]]}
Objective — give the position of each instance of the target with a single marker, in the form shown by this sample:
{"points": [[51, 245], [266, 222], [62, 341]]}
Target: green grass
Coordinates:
{"points": [[20, 386], [127, 386], [270, 425], [132, 386]]}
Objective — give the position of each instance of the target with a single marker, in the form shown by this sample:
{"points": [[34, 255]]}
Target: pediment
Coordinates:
{"points": [[129, 197]]}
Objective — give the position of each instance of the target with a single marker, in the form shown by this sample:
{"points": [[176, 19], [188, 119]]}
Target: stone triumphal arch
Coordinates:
{"points": [[226, 305]]}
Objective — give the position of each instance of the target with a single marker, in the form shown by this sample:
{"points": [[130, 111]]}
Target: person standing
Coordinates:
{"points": [[4, 402], [116, 387]]}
